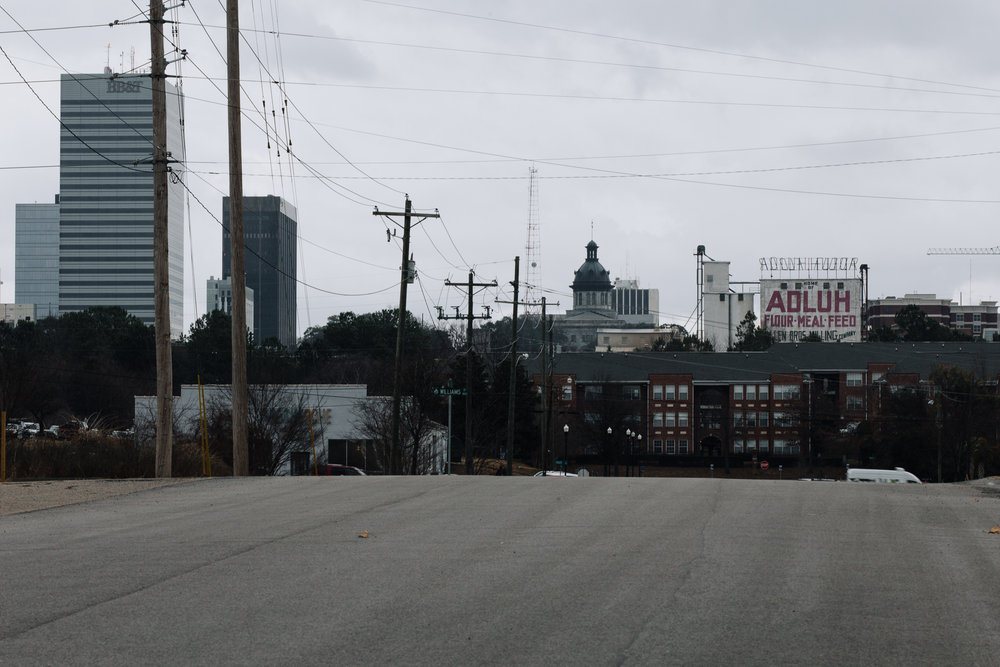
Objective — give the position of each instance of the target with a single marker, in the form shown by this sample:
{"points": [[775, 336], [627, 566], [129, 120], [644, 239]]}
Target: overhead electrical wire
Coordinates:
{"points": [[321, 136], [648, 42], [639, 66], [279, 270]]}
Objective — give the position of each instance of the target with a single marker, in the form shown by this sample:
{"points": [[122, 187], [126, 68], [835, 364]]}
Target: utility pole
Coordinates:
{"points": [[471, 289], [511, 392], [406, 277], [545, 394], [513, 373], [237, 246], [550, 435], [161, 271]]}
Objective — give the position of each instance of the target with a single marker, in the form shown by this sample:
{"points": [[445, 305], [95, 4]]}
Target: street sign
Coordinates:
{"points": [[763, 465], [449, 391]]}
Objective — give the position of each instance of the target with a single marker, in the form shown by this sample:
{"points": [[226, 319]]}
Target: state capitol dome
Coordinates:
{"points": [[591, 276]]}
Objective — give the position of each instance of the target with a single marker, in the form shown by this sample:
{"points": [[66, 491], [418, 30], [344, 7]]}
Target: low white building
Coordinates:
{"points": [[12, 313], [337, 414]]}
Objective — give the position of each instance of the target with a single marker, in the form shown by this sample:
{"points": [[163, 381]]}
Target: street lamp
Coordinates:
{"points": [[606, 468], [565, 447], [637, 469], [628, 457]]}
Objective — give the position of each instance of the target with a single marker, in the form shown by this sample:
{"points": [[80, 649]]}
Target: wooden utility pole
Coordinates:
{"points": [[471, 289], [161, 248], [237, 246], [545, 395], [551, 436], [405, 278], [514, 358], [513, 373]]}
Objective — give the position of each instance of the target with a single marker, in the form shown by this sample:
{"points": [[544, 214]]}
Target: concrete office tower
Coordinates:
{"points": [[634, 305], [219, 296], [36, 257], [269, 228], [106, 196]]}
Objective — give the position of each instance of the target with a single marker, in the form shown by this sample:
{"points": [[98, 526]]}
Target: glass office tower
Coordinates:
{"points": [[36, 257], [269, 228], [106, 196]]}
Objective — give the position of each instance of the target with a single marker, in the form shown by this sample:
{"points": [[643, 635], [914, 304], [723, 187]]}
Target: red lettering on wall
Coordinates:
{"points": [[819, 301], [794, 304], [775, 302], [842, 298]]}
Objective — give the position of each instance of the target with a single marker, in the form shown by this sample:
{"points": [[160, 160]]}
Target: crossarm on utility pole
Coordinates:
{"points": [[395, 451]]}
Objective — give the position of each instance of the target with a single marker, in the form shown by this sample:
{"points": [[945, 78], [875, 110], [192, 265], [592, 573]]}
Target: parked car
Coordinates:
{"points": [[336, 469], [30, 429], [555, 473]]}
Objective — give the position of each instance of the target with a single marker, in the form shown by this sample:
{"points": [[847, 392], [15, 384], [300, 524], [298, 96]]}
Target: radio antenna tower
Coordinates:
{"points": [[533, 247]]}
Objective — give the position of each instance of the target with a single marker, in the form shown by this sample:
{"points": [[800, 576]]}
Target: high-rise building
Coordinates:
{"points": [[106, 196], [635, 305], [36, 257], [269, 229], [219, 296]]}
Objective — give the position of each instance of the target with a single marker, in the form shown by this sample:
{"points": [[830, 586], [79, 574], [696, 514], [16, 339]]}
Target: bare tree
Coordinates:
{"points": [[416, 433], [277, 425]]}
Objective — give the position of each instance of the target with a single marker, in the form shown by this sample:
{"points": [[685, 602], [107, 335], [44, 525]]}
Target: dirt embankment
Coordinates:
{"points": [[33, 495]]}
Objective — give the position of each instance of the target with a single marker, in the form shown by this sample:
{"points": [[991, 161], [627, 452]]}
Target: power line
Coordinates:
{"points": [[635, 40], [280, 271], [604, 63]]}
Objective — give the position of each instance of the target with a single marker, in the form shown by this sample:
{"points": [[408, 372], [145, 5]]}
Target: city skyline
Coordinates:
{"points": [[756, 131]]}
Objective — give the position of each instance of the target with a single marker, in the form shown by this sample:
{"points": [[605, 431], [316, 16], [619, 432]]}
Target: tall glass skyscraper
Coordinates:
{"points": [[269, 228], [106, 196], [36, 257]]}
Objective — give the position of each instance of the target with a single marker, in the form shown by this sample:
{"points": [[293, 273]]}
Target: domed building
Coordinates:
{"points": [[591, 284], [607, 314], [592, 305]]}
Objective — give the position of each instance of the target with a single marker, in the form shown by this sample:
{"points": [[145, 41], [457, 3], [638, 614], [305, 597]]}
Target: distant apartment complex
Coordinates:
{"points": [[270, 231], [978, 321], [747, 405]]}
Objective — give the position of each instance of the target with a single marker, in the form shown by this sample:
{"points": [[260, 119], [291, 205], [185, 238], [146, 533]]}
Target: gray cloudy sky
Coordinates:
{"points": [[758, 128]]}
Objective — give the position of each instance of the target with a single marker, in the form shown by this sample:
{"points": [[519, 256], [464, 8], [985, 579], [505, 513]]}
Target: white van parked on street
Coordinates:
{"points": [[894, 476]]}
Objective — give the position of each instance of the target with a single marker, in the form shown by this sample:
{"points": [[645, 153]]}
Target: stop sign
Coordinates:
{"points": [[763, 465]]}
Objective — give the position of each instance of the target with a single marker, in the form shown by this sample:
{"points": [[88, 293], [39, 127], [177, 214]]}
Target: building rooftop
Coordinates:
{"points": [[723, 367]]}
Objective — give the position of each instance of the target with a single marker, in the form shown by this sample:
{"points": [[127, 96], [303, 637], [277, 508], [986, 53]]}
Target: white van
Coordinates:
{"points": [[894, 476]]}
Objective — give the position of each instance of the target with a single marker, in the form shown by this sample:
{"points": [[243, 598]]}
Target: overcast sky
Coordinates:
{"points": [[759, 128]]}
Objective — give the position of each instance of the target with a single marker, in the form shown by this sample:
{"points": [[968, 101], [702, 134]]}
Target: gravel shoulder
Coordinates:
{"points": [[29, 496]]}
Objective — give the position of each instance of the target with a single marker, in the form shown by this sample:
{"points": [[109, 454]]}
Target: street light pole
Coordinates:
{"points": [[607, 470], [565, 448], [628, 456], [637, 468]]}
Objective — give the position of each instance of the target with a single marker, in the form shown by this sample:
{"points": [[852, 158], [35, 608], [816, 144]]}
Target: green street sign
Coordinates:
{"points": [[449, 391]]}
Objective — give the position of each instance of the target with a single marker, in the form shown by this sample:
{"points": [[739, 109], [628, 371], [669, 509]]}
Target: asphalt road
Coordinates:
{"points": [[497, 570]]}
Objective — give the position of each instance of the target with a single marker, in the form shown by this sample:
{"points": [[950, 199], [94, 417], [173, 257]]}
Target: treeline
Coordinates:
{"points": [[94, 362]]}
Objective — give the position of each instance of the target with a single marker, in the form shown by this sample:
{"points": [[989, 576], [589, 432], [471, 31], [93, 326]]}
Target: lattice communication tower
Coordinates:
{"points": [[533, 248]]}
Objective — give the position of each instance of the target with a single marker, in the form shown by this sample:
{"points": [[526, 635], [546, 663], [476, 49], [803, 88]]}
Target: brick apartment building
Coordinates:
{"points": [[748, 406]]}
